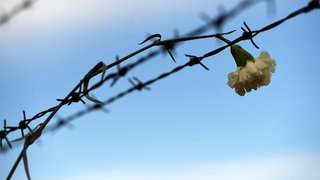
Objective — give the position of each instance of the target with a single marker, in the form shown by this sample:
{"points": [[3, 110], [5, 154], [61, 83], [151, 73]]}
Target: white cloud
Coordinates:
{"points": [[285, 167]]}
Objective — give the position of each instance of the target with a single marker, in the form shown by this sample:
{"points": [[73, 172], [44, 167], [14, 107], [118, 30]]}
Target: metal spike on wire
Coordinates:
{"points": [[236, 10]]}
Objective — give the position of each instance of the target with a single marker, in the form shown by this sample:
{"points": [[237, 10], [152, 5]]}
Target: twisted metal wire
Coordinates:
{"points": [[75, 96], [217, 22], [193, 60]]}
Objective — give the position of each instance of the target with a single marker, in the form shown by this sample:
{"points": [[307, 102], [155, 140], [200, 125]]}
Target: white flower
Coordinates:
{"points": [[251, 73], [254, 74]]}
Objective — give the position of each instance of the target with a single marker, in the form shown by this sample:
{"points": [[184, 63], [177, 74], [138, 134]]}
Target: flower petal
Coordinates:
{"points": [[255, 74]]}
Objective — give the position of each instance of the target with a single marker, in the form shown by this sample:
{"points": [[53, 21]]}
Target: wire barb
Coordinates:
{"points": [[24, 124], [75, 97], [193, 60], [139, 85], [167, 47], [248, 34], [313, 4], [3, 134], [121, 72]]}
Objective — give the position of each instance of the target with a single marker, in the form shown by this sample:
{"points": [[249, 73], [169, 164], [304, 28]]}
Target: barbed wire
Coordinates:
{"points": [[224, 16], [247, 34], [22, 6], [76, 94], [122, 71]]}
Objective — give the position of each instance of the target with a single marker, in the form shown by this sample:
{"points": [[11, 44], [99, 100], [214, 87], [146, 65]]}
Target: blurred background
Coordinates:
{"points": [[191, 125]]}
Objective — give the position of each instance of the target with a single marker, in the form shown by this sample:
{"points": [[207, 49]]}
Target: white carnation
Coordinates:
{"points": [[255, 74]]}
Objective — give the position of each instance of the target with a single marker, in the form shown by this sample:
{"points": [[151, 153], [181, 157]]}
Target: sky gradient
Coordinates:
{"points": [[191, 125]]}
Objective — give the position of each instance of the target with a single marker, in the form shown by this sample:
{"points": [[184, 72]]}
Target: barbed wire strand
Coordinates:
{"points": [[75, 96], [222, 18], [246, 35]]}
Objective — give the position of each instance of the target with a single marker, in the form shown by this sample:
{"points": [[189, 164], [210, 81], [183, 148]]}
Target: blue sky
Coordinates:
{"points": [[191, 125]]}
